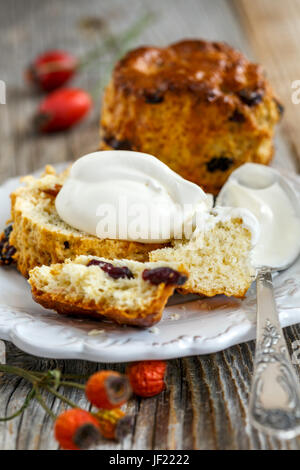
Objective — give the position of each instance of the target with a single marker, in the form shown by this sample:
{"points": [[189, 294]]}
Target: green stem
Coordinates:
{"points": [[28, 399], [41, 380], [61, 397], [72, 384], [64, 376], [119, 43], [97, 52], [42, 402], [137, 28], [18, 371]]}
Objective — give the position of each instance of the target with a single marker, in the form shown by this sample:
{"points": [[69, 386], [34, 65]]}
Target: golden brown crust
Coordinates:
{"points": [[207, 69], [213, 292], [37, 245], [199, 106], [67, 306]]}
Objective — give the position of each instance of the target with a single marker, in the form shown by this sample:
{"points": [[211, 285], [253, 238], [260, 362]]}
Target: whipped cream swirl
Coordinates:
{"points": [[131, 196]]}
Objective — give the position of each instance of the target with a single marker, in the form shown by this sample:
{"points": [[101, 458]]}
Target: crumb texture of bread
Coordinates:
{"points": [[201, 107], [218, 260], [73, 287], [41, 237]]}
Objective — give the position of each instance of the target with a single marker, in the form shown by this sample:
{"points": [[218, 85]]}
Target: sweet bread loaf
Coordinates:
{"points": [[201, 107]]}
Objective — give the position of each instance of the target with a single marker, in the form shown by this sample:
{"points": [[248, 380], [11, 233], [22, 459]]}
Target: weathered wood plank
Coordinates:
{"points": [[273, 29], [205, 403], [209, 411]]}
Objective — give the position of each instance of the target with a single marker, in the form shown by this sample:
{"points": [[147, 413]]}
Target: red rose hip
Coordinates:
{"points": [[52, 69], [147, 378], [76, 429], [62, 109]]}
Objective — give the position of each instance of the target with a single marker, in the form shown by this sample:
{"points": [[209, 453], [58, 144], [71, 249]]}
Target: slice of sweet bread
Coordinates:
{"points": [[127, 292], [217, 257], [39, 236]]}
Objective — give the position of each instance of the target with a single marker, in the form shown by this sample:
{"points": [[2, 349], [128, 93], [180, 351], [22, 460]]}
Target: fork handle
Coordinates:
{"points": [[275, 391]]}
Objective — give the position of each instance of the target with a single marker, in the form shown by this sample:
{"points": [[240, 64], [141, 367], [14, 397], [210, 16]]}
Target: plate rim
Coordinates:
{"points": [[83, 349]]}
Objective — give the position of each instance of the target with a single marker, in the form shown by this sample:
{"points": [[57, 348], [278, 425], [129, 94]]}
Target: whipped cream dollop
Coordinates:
{"points": [[129, 195], [274, 203]]}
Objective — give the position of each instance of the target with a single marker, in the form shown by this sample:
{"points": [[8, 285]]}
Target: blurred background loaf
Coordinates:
{"points": [[199, 106]]}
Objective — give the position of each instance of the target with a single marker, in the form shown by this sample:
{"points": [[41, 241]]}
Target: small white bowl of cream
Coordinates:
{"points": [[264, 192]]}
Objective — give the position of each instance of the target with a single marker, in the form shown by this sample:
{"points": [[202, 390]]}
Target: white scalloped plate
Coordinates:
{"points": [[199, 326]]}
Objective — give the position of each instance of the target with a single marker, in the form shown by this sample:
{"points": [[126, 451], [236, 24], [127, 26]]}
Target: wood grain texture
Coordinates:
{"points": [[205, 403], [273, 30], [203, 407]]}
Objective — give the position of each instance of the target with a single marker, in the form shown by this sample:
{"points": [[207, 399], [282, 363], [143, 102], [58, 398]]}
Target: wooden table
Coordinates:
{"points": [[205, 404]]}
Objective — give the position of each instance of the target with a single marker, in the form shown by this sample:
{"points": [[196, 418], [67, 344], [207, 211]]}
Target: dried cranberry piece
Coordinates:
{"points": [[53, 191], [219, 163], [95, 262], [154, 97], [115, 272], [6, 253], [211, 96], [117, 144], [237, 116], [7, 231], [164, 275], [250, 97], [280, 107], [6, 250], [9, 252]]}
